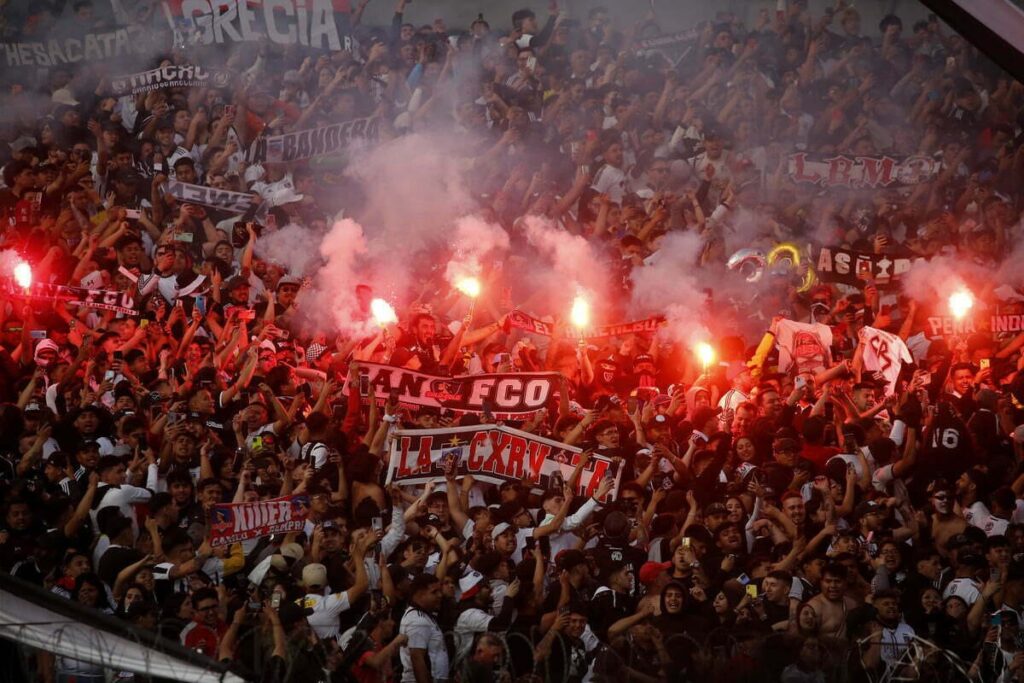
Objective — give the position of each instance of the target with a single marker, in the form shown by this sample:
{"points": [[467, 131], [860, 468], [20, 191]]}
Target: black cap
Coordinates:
{"points": [[290, 614], [567, 559]]}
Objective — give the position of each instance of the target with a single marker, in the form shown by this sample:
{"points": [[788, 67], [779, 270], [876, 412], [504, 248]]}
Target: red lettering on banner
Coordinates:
{"points": [[423, 461], [600, 467], [514, 465], [495, 463], [403, 465], [475, 461], [878, 172], [839, 170], [538, 454], [798, 175]]}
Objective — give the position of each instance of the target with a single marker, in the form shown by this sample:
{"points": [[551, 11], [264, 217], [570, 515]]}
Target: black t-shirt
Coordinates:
{"points": [[607, 607]]}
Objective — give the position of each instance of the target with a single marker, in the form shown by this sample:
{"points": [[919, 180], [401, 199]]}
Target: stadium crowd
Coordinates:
{"points": [[837, 495]]}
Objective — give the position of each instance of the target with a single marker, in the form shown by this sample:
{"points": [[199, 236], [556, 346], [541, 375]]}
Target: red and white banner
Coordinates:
{"points": [[495, 454], [235, 522], [860, 171]]}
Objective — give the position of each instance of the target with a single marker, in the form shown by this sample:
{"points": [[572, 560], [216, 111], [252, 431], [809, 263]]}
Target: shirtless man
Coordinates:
{"points": [[945, 524], [833, 605]]}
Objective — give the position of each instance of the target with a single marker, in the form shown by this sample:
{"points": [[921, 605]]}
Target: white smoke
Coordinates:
{"points": [[332, 296], [290, 247], [473, 240], [674, 284], [575, 265]]}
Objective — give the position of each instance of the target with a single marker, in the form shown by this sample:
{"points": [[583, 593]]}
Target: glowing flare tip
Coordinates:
{"points": [[383, 314], [960, 303], [23, 275], [705, 354], [580, 313], [469, 286]]}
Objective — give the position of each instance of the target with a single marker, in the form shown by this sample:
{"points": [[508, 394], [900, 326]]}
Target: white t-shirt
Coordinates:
{"points": [[470, 622], [326, 608], [610, 181], [423, 634], [884, 352], [977, 515], [895, 642]]}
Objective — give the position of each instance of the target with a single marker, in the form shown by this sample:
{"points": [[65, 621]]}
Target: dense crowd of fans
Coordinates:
{"points": [[829, 524]]}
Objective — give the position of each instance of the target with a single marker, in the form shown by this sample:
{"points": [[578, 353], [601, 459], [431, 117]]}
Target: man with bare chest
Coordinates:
{"points": [[832, 605], [944, 522]]}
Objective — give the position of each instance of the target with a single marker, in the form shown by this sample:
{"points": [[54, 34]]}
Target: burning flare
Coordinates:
{"points": [[705, 354], [23, 275], [580, 313], [960, 303], [469, 286], [383, 314]]}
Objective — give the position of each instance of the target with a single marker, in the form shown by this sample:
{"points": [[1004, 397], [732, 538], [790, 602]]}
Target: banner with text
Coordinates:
{"points": [[235, 202], [524, 321], [170, 76], [493, 454], [672, 46], [835, 264], [104, 300], [948, 326], [859, 172], [507, 395], [235, 522], [285, 22], [90, 47], [313, 142]]}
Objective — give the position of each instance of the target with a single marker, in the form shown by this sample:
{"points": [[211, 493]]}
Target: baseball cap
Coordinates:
{"points": [[866, 507], [289, 613], [715, 509], [289, 280], [567, 559], [314, 575], [499, 529], [470, 584], [292, 550], [650, 571]]}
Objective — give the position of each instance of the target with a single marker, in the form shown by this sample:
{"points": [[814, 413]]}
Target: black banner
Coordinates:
{"points": [[90, 47], [119, 302], [170, 76], [835, 264], [668, 40], [508, 395], [313, 142]]}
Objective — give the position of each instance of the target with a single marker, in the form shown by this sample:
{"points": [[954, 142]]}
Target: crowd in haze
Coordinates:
{"points": [[849, 511]]}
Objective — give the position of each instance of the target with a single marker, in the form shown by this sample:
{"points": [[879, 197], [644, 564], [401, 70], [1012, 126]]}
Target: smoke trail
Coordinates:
{"points": [[332, 297], [290, 248], [674, 285], [474, 239]]}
